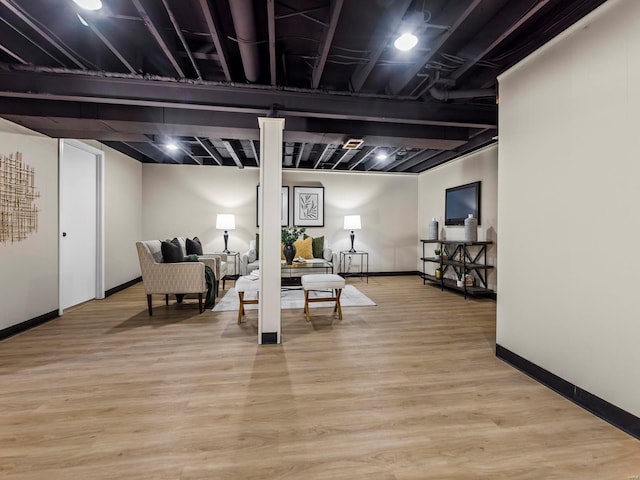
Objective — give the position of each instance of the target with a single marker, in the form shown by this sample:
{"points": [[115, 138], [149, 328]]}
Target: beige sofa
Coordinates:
{"points": [[161, 278], [249, 261]]}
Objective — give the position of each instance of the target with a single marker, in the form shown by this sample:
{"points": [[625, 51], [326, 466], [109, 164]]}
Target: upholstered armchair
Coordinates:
{"points": [[220, 269], [171, 278]]}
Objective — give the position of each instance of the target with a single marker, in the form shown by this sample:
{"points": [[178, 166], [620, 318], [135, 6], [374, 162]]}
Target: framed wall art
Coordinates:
{"points": [[284, 214], [308, 206], [18, 211]]}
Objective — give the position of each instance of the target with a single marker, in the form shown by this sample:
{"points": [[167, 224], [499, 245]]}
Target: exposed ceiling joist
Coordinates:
{"points": [[112, 48], [14, 55], [399, 161], [378, 161], [271, 14], [127, 150], [203, 56], [511, 17], [361, 157], [210, 149], [387, 26], [28, 47], [233, 153], [345, 155], [216, 38], [300, 152], [255, 153], [19, 12], [158, 36], [327, 149], [416, 160], [154, 152], [178, 31], [442, 157], [334, 16], [187, 152]]}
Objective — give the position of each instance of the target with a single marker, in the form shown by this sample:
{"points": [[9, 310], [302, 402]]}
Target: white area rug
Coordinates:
{"points": [[351, 297]]}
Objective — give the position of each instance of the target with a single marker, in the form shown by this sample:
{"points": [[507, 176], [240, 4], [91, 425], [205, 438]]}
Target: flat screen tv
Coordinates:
{"points": [[460, 202]]}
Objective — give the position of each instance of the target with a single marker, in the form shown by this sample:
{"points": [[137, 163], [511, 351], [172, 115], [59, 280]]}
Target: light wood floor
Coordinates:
{"points": [[408, 389]]}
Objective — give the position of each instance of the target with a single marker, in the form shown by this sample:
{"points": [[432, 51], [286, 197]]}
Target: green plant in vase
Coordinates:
{"points": [[291, 234], [437, 252], [288, 236]]}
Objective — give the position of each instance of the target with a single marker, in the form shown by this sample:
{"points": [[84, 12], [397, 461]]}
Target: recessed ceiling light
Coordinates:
{"points": [[406, 41], [89, 4], [173, 146], [381, 155]]}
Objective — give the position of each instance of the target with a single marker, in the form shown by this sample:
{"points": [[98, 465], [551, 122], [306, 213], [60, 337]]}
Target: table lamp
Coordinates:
{"points": [[226, 222], [352, 222]]}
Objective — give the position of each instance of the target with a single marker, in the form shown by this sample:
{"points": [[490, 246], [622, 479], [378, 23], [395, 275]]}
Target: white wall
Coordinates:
{"points": [[568, 206], [123, 216], [387, 207], [184, 200], [481, 165], [29, 269]]}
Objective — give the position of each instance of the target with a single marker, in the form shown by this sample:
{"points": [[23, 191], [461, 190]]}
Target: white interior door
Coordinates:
{"points": [[79, 232]]}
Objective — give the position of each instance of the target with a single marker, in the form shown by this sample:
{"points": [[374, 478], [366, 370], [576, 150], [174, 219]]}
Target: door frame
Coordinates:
{"points": [[99, 154]]}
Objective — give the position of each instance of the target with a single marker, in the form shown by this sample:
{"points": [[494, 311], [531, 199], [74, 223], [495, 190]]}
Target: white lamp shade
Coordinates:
{"points": [[352, 222], [226, 221]]}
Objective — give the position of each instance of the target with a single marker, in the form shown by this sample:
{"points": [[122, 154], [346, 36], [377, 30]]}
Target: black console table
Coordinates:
{"points": [[462, 259]]}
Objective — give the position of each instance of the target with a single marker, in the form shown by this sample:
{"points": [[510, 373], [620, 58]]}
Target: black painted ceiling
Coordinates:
{"points": [[200, 72]]}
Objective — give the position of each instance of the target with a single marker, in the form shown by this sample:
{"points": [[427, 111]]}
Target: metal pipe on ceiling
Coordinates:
{"points": [[245, 26]]}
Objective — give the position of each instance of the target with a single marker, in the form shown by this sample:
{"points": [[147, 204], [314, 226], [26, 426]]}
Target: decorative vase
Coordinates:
{"points": [[289, 251], [471, 228], [433, 230]]}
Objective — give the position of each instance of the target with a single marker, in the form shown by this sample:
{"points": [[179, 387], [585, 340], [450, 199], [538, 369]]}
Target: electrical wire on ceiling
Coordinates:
{"points": [[35, 44], [352, 50], [49, 32], [460, 60], [246, 42], [297, 37]]}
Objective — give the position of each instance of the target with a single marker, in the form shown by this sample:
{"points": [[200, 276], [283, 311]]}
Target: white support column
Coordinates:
{"points": [[269, 325]]}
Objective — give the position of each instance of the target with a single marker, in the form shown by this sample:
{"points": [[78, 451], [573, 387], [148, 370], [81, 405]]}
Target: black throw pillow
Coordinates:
{"points": [[171, 252], [194, 247]]}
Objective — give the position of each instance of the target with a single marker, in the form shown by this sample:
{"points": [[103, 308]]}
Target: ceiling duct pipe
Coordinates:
{"points": [[245, 25], [445, 95]]}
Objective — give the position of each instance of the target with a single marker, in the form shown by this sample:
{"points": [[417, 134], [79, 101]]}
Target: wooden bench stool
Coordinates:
{"points": [[245, 285], [322, 281]]}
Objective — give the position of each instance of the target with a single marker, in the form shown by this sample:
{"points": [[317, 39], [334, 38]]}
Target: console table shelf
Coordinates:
{"points": [[463, 259]]}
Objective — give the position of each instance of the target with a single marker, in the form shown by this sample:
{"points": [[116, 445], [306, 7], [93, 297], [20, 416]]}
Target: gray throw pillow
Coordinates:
{"points": [[171, 251], [194, 247]]}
